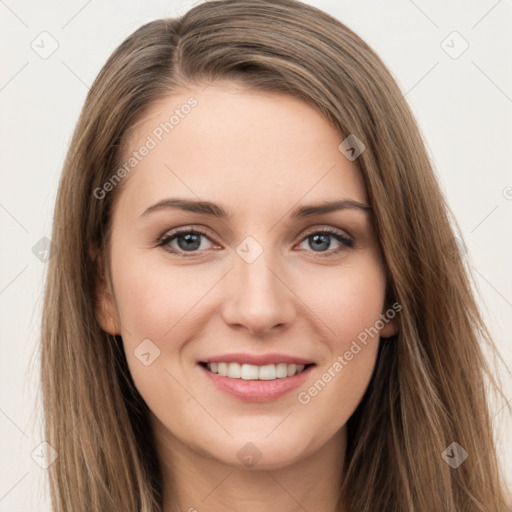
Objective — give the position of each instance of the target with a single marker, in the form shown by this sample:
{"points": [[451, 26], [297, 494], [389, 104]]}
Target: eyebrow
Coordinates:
{"points": [[215, 210]]}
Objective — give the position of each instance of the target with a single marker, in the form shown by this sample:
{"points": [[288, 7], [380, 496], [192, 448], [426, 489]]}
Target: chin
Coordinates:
{"points": [[263, 452]]}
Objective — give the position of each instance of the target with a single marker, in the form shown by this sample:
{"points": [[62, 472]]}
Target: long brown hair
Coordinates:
{"points": [[429, 386]]}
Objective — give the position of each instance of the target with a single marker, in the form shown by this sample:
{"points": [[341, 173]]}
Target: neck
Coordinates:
{"points": [[194, 482]]}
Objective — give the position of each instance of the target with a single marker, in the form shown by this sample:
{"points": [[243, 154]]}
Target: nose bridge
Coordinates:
{"points": [[256, 296], [258, 280]]}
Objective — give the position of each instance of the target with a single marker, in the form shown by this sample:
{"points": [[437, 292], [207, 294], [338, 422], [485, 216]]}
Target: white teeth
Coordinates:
{"points": [[267, 372], [222, 369], [292, 369], [248, 372], [281, 370], [233, 370], [253, 372]]}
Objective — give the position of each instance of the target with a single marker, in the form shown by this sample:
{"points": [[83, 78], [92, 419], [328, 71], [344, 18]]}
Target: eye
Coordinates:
{"points": [[322, 239], [187, 240]]}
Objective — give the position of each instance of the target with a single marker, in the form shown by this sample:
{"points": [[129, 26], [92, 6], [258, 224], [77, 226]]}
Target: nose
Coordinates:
{"points": [[257, 297]]}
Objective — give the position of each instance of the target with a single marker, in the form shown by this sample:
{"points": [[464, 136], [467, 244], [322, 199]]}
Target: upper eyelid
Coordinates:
{"points": [[183, 230], [207, 231], [326, 227]]}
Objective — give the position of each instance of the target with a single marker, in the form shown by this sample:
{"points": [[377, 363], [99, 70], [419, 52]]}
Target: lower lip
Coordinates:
{"points": [[257, 390]]}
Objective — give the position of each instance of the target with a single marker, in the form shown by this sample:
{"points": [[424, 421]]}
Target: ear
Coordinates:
{"points": [[390, 328], [105, 306], [390, 319]]}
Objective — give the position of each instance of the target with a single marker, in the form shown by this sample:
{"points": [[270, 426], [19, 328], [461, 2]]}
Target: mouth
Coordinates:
{"points": [[256, 378], [234, 370]]}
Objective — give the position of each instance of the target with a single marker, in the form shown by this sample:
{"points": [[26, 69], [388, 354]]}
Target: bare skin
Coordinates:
{"points": [[259, 156]]}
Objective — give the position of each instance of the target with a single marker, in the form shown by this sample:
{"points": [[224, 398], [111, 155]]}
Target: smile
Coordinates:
{"points": [[256, 378], [245, 371]]}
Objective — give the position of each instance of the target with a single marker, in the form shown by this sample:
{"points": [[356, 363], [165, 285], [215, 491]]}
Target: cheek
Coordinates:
{"points": [[155, 299], [349, 306], [155, 304], [346, 300]]}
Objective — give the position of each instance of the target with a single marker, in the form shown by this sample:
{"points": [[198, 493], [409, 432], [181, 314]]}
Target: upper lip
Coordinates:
{"points": [[256, 359]]}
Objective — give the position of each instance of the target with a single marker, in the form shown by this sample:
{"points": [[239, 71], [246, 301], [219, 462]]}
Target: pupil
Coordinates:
{"points": [[324, 237], [191, 239]]}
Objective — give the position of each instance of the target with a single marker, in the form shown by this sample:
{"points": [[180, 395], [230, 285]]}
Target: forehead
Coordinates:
{"points": [[242, 148]]}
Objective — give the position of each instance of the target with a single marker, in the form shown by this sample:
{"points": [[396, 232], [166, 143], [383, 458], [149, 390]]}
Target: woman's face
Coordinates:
{"points": [[261, 291]]}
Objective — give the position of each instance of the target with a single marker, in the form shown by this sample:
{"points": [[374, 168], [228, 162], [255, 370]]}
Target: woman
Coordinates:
{"points": [[243, 368]]}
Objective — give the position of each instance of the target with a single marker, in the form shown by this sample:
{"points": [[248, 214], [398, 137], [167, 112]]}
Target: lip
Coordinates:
{"points": [[256, 359], [256, 390]]}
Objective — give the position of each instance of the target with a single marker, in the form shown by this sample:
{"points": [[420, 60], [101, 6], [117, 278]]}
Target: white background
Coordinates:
{"points": [[463, 105]]}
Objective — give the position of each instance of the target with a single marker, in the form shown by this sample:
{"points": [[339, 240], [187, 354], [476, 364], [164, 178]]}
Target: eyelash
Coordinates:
{"points": [[165, 240]]}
